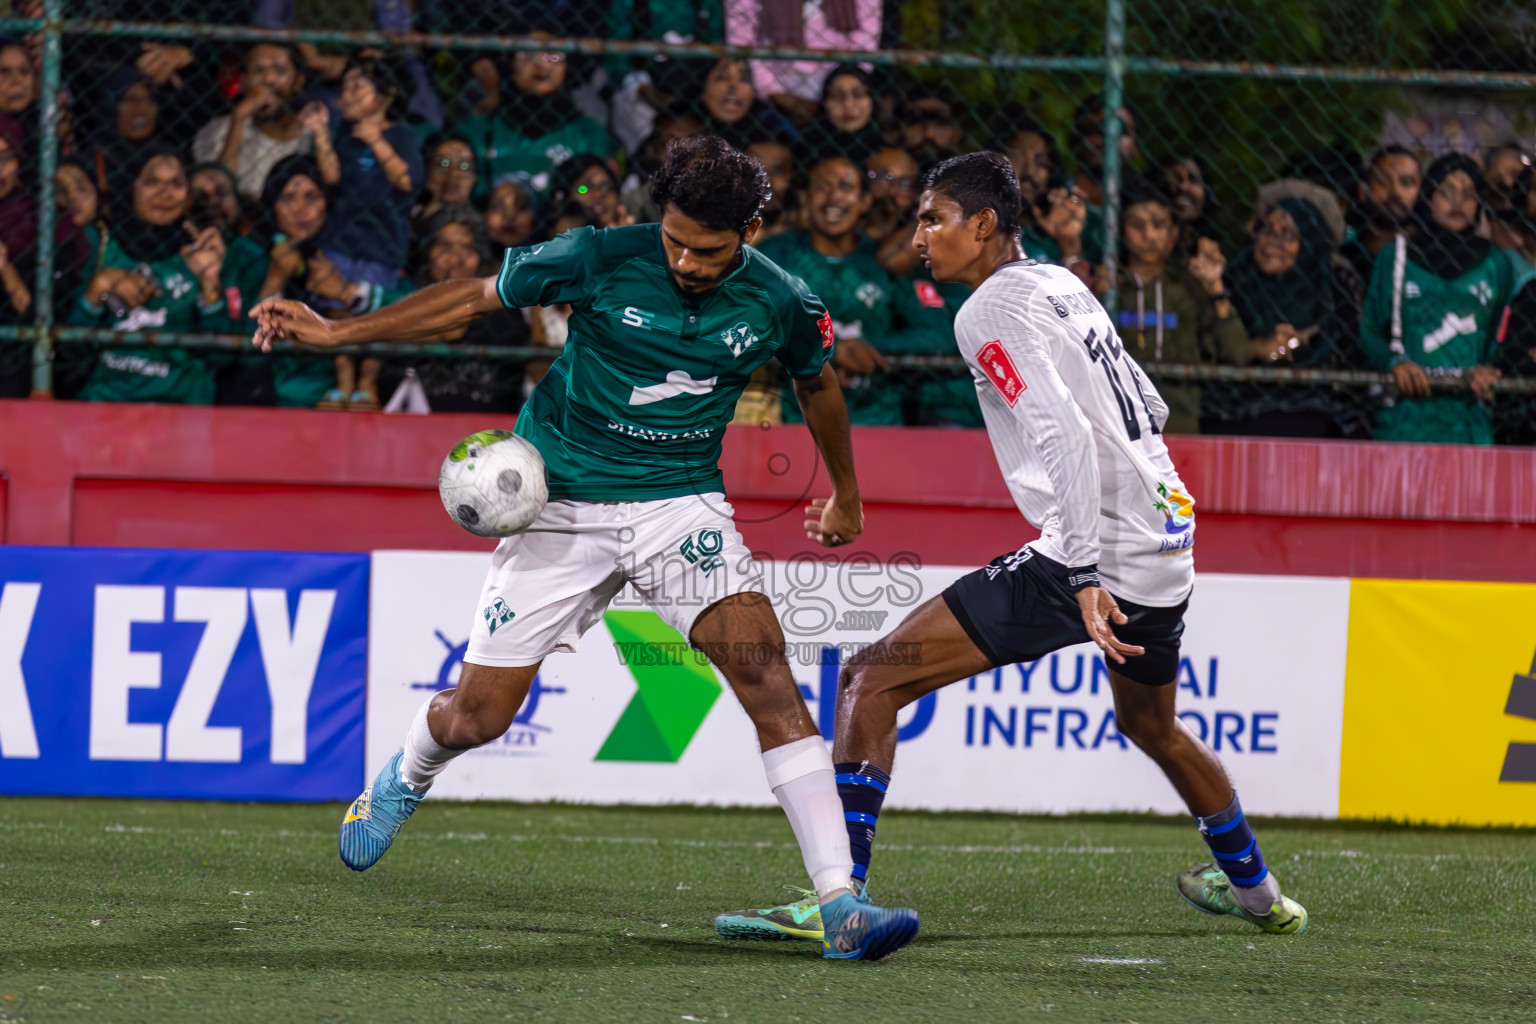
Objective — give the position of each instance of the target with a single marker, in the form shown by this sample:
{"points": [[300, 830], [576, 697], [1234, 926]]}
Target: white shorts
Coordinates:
{"points": [[545, 588]]}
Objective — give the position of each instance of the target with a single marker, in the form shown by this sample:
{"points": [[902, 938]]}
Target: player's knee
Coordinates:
{"points": [[470, 723], [753, 682], [854, 683], [1151, 731]]}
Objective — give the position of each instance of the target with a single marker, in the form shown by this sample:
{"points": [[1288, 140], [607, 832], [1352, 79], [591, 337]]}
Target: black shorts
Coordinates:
{"points": [[1019, 608]]}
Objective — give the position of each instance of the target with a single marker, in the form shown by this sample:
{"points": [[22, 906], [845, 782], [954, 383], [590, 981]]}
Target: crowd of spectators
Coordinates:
{"points": [[196, 180]]}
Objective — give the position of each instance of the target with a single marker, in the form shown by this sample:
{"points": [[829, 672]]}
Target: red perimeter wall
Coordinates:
{"points": [[170, 476]]}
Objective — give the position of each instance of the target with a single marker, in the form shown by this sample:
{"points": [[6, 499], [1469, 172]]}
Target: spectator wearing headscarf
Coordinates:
{"points": [[456, 246], [157, 274], [536, 126], [1434, 306], [730, 107], [1294, 300], [18, 106], [18, 230], [846, 121], [130, 108], [1515, 414], [293, 206], [451, 177]]}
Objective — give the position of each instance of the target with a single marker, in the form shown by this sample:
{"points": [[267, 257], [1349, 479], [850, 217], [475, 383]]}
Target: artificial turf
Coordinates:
{"points": [[161, 911]]}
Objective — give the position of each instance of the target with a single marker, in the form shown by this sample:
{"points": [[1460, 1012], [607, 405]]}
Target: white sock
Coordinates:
{"points": [[424, 758], [1258, 899], [801, 777]]}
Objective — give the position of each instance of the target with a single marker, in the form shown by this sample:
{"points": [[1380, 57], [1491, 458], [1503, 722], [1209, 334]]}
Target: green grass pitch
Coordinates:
{"points": [[159, 911]]}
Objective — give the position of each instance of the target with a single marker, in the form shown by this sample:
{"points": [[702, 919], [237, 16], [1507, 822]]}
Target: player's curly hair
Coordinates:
{"points": [[709, 181], [978, 181]]}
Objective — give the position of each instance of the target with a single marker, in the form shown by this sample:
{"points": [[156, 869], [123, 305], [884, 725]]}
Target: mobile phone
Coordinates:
{"points": [[115, 304]]}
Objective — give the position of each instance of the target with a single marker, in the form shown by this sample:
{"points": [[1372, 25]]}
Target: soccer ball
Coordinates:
{"points": [[494, 483]]}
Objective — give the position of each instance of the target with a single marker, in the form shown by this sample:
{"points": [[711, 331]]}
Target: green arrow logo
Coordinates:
{"points": [[676, 691]]}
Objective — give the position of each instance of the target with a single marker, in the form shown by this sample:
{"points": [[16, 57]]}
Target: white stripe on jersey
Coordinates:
{"points": [[1077, 430]]}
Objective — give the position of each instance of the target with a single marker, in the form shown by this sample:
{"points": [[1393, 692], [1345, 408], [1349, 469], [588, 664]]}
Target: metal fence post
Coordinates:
{"points": [[1114, 96], [42, 301]]}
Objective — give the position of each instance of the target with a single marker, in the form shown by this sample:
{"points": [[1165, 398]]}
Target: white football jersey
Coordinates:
{"points": [[1077, 430]]}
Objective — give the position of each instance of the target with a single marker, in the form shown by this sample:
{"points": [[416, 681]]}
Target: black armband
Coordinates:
{"points": [[1083, 577]]}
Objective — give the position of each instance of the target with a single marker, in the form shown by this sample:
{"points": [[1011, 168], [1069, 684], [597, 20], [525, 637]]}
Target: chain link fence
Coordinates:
{"points": [[1307, 218]]}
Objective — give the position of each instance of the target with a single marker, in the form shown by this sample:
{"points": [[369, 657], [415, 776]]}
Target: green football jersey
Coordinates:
{"points": [[857, 292], [636, 405]]}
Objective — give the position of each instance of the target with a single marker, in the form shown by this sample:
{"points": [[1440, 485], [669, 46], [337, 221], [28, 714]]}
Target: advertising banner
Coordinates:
{"points": [[635, 716], [1440, 704], [227, 675]]}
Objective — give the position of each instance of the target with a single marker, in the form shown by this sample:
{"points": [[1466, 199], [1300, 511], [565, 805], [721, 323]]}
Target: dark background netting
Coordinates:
{"points": [[1273, 151]]}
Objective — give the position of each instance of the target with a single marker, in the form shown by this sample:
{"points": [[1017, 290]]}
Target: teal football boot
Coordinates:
{"points": [[375, 817]]}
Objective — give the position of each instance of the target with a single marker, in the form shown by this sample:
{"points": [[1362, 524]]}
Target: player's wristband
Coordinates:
{"points": [[1083, 577]]}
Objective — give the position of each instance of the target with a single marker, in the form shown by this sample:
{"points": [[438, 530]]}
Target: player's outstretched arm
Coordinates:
{"points": [[840, 518], [420, 317]]}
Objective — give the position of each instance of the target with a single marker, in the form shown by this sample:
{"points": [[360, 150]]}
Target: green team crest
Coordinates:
{"points": [[738, 338], [497, 615]]}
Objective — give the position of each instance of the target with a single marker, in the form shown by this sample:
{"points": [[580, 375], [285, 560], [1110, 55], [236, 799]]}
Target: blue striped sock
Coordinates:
{"points": [[1233, 845], [862, 787]]}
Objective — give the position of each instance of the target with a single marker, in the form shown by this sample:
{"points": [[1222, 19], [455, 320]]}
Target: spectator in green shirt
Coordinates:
{"points": [[157, 273], [536, 126], [1433, 306]]}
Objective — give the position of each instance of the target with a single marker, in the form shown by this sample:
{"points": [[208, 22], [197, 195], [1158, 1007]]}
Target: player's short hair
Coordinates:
{"points": [[711, 182], [978, 181]]}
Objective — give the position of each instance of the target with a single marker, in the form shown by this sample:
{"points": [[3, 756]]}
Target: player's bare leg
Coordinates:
{"points": [[477, 711], [742, 636], [1237, 882], [927, 651], [1145, 715], [875, 684]]}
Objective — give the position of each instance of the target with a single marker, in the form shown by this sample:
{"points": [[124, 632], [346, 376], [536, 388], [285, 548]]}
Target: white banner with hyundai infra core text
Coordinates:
{"points": [[634, 717]]}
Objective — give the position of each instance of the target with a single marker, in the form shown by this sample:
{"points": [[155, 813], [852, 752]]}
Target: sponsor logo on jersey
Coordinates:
{"points": [[738, 338], [677, 383], [651, 434], [1411, 290], [496, 615], [825, 323], [929, 295], [1451, 327], [998, 366], [1178, 509]]}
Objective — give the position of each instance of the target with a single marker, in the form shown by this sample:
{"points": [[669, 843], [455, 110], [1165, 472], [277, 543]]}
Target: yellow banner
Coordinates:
{"points": [[1432, 667]]}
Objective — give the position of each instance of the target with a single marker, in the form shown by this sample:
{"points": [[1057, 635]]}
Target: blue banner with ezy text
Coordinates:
{"points": [[201, 674]]}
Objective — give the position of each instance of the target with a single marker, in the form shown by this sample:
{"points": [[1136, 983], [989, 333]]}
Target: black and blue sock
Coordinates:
{"points": [[862, 787], [1233, 845]]}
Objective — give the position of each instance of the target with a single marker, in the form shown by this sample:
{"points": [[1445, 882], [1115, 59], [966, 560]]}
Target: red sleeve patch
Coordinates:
{"points": [[825, 323], [998, 366], [928, 295]]}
